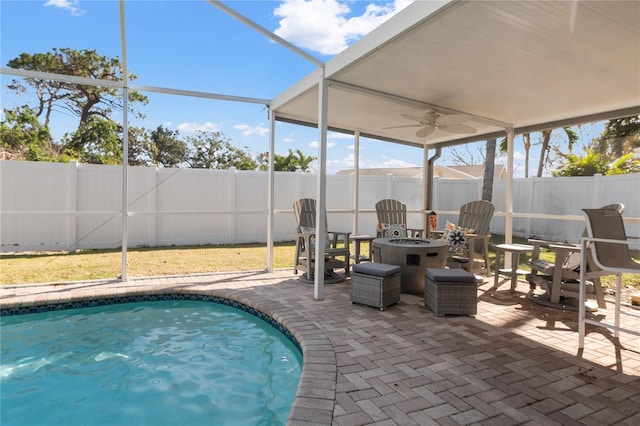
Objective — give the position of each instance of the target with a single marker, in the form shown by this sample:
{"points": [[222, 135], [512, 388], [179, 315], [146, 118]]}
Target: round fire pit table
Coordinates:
{"points": [[413, 255]]}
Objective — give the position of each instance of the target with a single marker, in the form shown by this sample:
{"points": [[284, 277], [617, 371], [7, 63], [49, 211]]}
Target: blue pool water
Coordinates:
{"points": [[150, 363]]}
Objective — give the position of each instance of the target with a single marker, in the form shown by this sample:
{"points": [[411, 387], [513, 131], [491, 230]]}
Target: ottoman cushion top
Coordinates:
{"points": [[455, 275], [376, 269]]}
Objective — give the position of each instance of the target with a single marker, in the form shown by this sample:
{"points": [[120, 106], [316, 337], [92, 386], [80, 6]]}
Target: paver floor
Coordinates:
{"points": [[516, 362]]}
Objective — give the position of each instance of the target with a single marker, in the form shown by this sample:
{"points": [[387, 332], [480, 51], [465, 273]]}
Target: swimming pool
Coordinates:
{"points": [[161, 362]]}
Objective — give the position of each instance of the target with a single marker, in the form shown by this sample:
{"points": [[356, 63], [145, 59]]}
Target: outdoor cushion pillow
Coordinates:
{"points": [[456, 236], [394, 230]]}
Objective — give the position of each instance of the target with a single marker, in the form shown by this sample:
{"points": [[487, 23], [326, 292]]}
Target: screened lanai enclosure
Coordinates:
{"points": [[437, 74]]}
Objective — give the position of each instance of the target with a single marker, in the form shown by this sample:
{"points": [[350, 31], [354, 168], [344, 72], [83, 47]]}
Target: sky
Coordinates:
{"points": [[192, 45]]}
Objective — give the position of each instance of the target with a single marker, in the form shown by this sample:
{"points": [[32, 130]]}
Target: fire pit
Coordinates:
{"points": [[413, 255]]}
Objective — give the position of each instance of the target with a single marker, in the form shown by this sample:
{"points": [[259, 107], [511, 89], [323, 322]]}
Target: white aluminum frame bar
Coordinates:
{"points": [[321, 192], [125, 144], [582, 295]]}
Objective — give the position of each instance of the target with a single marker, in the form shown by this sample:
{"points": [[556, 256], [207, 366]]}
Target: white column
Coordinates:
{"points": [[270, 191], [508, 223], [72, 221], [356, 181], [425, 191], [321, 197], [125, 144]]}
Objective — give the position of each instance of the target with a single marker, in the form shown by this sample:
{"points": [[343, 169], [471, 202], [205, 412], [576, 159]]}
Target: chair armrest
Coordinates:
{"points": [[338, 235], [537, 244], [564, 247], [474, 238]]}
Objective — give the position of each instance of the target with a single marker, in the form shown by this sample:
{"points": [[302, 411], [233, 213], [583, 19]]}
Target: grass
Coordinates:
{"points": [[23, 268]]}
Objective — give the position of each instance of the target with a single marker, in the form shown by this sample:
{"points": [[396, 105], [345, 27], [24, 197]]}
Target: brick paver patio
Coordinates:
{"points": [[515, 363]]}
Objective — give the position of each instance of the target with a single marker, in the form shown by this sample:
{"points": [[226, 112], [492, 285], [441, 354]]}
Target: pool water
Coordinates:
{"points": [[149, 363]]}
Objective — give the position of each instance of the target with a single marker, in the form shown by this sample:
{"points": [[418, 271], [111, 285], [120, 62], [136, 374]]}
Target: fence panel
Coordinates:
{"points": [[53, 206]]}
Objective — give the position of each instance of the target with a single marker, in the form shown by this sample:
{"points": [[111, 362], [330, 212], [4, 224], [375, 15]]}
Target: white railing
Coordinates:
{"points": [[54, 206]]}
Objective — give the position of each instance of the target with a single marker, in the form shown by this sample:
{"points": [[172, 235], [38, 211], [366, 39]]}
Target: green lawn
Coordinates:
{"points": [[106, 264]]}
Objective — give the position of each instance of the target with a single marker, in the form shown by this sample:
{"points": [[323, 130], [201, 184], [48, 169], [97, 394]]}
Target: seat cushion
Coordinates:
{"points": [[376, 269], [453, 275]]}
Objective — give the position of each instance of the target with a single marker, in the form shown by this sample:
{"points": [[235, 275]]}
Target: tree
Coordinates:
{"points": [[588, 165], [302, 161], [468, 158], [93, 105], [594, 162], [487, 181], [95, 142], [526, 142], [211, 150], [289, 163], [611, 153], [166, 148], [22, 136], [619, 137], [626, 164], [545, 148], [138, 146]]}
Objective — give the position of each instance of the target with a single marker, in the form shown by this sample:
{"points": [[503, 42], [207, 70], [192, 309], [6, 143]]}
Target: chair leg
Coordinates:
{"points": [[556, 281], [485, 248], [346, 268], [617, 309], [597, 287], [310, 264], [297, 257]]}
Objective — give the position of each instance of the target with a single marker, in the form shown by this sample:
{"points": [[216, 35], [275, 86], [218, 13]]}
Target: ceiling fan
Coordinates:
{"points": [[432, 120]]}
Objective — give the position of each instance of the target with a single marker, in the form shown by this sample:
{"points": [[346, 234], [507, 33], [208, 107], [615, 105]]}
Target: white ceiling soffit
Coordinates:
{"points": [[530, 64]]}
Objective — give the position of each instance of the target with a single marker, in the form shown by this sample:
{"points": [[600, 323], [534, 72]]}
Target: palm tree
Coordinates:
{"points": [[303, 161], [487, 182], [572, 137], [526, 137]]}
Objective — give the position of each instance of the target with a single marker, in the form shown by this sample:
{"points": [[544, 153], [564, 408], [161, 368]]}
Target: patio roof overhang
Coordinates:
{"points": [[529, 65], [510, 66]]}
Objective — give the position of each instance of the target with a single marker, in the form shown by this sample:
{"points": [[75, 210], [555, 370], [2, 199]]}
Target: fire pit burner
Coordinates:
{"points": [[411, 241]]}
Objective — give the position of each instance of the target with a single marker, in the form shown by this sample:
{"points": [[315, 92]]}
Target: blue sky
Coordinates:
{"points": [[193, 45]]}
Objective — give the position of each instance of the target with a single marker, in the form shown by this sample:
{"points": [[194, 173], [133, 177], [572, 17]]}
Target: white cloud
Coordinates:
{"points": [[338, 135], [195, 127], [325, 26], [315, 144], [518, 155], [349, 161], [386, 163], [248, 130], [70, 5]]}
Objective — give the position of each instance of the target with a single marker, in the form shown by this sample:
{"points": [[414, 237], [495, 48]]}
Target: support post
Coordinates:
{"points": [[270, 191], [125, 144], [321, 204]]}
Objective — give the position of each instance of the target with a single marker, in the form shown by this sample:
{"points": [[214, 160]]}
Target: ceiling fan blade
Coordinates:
{"points": [[462, 129], [452, 119], [425, 131], [412, 117], [400, 127]]}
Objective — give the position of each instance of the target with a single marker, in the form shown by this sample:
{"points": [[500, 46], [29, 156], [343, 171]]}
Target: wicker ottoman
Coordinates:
{"points": [[375, 284], [450, 291]]}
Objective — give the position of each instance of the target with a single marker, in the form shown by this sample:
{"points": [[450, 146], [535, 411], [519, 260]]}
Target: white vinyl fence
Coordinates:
{"points": [[54, 206]]}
